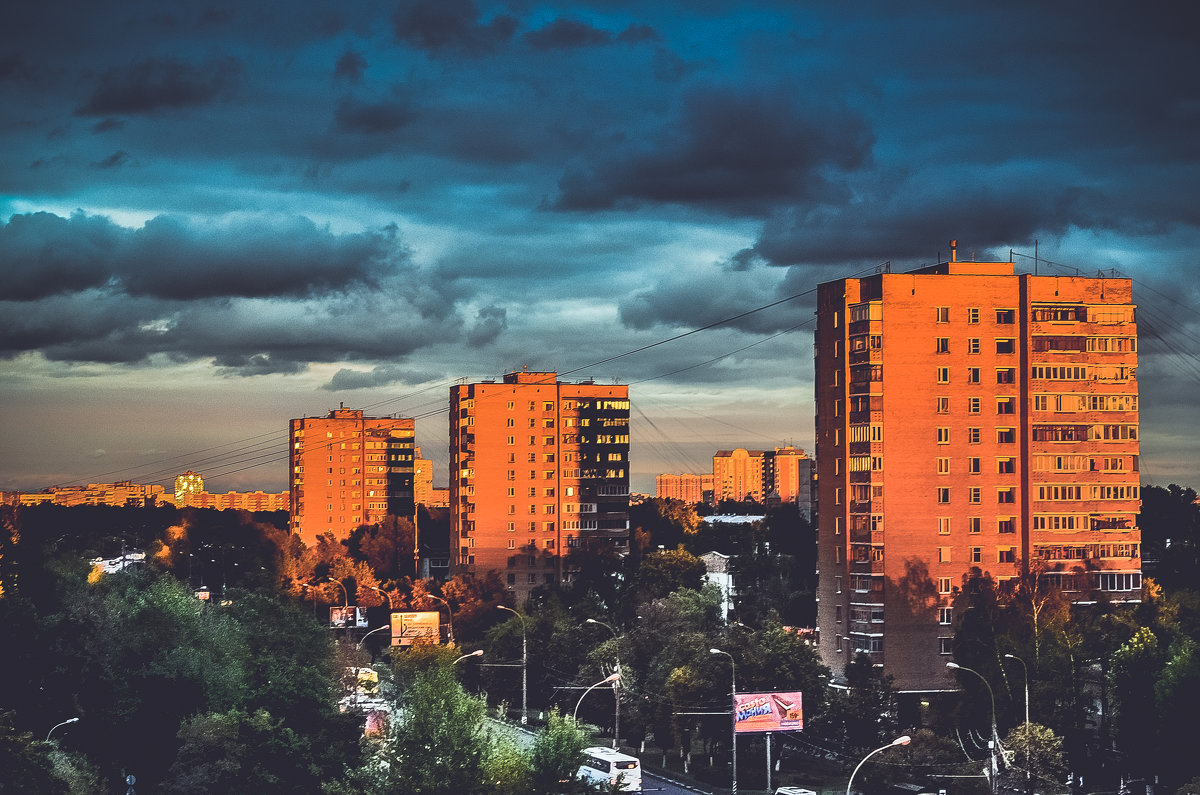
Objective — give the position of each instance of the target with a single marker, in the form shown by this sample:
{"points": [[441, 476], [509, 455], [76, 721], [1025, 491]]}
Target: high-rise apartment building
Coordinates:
{"points": [[783, 474], [537, 466], [349, 470], [969, 418], [686, 487]]}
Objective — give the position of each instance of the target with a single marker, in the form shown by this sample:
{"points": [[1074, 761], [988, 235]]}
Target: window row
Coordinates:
{"points": [[1004, 524], [1004, 317], [1003, 435], [1004, 375]]}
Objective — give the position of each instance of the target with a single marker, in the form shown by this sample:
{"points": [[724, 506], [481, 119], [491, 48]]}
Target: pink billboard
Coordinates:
{"points": [[768, 712]]}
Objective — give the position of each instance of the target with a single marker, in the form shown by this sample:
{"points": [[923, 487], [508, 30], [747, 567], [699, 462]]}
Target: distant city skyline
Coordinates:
{"points": [[214, 219]]}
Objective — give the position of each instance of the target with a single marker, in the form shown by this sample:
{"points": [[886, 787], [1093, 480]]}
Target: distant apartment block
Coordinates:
{"points": [[783, 474], [686, 487], [969, 418], [123, 493], [537, 466], [348, 470]]}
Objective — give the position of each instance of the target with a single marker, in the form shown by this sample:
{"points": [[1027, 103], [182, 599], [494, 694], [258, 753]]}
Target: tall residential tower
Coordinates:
{"points": [[969, 419]]}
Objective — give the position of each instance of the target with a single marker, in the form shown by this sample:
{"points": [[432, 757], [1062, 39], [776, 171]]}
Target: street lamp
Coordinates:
{"points": [[476, 653], [388, 594], [345, 594], [524, 665], [733, 709], [905, 740], [616, 686], [449, 613], [995, 737], [1027, 746], [359, 645], [605, 680], [64, 723]]}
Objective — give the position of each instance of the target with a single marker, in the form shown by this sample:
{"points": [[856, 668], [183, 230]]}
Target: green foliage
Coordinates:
{"points": [[25, 764], [664, 572], [1037, 749], [862, 716], [506, 771], [556, 755]]}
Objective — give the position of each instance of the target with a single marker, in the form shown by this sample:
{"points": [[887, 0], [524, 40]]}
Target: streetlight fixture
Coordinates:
{"points": [[524, 665], [995, 736], [64, 723], [359, 645], [388, 594], [1027, 746], [476, 653], [905, 740], [605, 680], [616, 685], [449, 613], [345, 593], [732, 710]]}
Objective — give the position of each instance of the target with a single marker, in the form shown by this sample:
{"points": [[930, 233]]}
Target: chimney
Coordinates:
{"points": [[954, 251]]}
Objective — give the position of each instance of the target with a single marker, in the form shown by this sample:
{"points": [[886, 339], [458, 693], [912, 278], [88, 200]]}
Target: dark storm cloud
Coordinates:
{"points": [[489, 323], [161, 83], [383, 375], [115, 160], [350, 67], [372, 117], [451, 25], [565, 33], [732, 149], [690, 299], [46, 254]]}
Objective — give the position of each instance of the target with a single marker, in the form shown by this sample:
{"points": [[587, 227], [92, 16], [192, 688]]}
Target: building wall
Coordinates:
{"points": [[348, 470], [738, 475], [120, 494], [685, 487], [537, 466], [934, 426]]}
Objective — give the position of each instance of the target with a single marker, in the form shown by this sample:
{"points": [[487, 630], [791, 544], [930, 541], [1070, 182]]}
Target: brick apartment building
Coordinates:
{"points": [[783, 474], [348, 470], [686, 487], [968, 417], [537, 466]]}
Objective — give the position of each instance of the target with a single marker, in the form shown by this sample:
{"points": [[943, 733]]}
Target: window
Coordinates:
{"points": [[1006, 495], [945, 645], [973, 405], [1006, 405], [973, 466], [972, 375], [977, 554], [943, 585], [943, 314], [1006, 375], [943, 375], [1006, 317], [512, 543], [1005, 526], [973, 314], [943, 405], [1005, 345], [1006, 435], [974, 495], [943, 435], [942, 345], [944, 555], [1006, 555], [943, 495], [943, 525], [973, 524], [1006, 466], [943, 466], [973, 345], [972, 435]]}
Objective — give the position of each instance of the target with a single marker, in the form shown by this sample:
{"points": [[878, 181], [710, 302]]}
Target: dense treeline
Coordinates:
{"points": [[240, 691]]}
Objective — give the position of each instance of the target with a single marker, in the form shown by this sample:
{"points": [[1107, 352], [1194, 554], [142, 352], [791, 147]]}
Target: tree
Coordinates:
{"points": [[664, 572], [1037, 749], [25, 765], [556, 755], [1134, 669]]}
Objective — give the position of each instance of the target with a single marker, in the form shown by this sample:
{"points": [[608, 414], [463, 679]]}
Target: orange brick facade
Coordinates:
{"points": [[685, 487], [783, 474], [968, 417], [348, 470], [536, 466]]}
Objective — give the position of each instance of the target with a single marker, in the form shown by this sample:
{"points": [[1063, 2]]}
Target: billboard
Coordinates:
{"points": [[347, 617], [768, 712], [409, 628]]}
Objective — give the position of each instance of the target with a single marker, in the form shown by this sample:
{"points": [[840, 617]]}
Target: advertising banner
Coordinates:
{"points": [[768, 712], [347, 617], [409, 628]]}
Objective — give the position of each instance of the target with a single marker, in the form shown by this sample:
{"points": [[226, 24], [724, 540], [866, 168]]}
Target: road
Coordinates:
{"points": [[650, 783]]}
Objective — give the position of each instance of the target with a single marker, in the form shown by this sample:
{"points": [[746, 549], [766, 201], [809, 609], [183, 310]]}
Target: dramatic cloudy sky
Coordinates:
{"points": [[216, 216]]}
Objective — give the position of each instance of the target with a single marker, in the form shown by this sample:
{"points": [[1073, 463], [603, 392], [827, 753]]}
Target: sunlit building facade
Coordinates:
{"points": [[686, 487], [537, 466], [969, 419], [348, 470]]}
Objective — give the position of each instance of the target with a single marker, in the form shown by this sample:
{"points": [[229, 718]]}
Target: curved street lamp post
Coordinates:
{"points": [[995, 741], [55, 726], [524, 665], [476, 653], [605, 680], [1028, 788], [905, 740], [449, 614], [616, 684]]}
